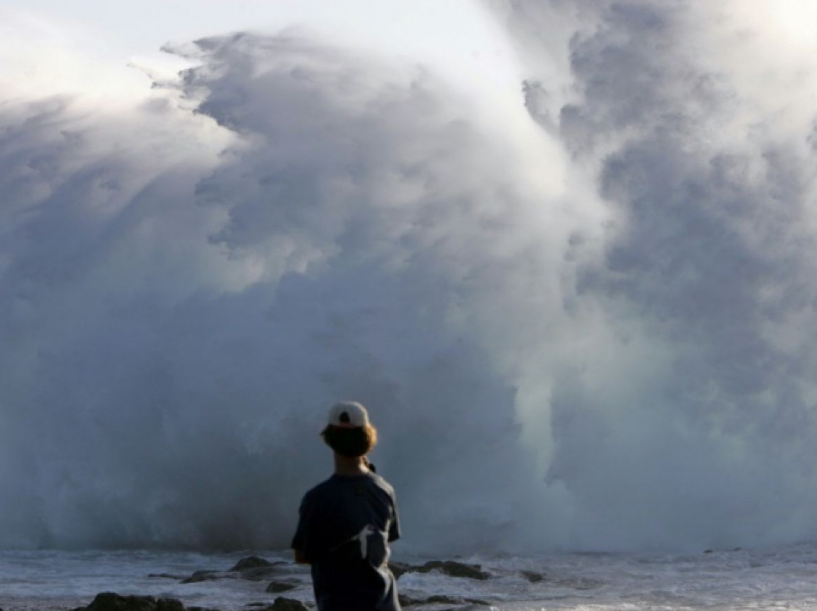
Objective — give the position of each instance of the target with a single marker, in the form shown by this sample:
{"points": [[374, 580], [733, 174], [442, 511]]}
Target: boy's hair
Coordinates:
{"points": [[351, 442]]}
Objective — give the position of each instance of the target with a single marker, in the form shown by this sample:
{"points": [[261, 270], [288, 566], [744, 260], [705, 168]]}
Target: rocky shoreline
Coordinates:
{"points": [[285, 576]]}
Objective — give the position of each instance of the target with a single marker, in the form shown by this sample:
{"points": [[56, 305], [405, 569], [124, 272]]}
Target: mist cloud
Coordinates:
{"points": [[186, 294], [595, 332], [708, 270]]}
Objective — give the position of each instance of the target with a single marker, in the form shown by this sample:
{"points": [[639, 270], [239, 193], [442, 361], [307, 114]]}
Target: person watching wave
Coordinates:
{"points": [[347, 522]]}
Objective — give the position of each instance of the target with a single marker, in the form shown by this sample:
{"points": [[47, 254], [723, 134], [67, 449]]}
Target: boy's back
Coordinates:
{"points": [[346, 524]]}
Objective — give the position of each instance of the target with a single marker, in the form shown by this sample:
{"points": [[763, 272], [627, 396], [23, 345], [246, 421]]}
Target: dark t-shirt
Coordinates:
{"points": [[345, 526]]}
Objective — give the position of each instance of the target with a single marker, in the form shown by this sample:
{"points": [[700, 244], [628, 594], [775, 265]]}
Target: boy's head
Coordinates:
{"points": [[349, 432]]}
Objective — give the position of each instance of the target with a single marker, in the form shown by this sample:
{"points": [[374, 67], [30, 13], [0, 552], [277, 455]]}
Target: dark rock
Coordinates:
{"points": [[287, 604], [260, 573], [252, 568], [408, 601], [398, 568], [109, 601], [439, 599], [164, 576], [203, 576], [276, 587], [709, 551], [251, 562], [532, 576], [453, 568]]}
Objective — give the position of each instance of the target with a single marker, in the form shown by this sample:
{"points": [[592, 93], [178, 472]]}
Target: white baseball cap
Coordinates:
{"points": [[348, 415]]}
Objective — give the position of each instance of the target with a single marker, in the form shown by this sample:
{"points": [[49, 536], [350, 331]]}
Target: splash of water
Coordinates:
{"points": [[593, 332]]}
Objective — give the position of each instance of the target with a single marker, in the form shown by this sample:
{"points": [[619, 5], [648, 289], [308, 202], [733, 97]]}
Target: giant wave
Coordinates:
{"points": [[594, 333]]}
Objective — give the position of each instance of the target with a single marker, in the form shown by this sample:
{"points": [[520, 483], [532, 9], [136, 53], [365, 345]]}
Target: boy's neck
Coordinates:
{"points": [[346, 465]]}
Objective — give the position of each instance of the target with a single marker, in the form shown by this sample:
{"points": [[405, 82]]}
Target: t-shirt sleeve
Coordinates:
{"points": [[394, 527], [306, 535]]}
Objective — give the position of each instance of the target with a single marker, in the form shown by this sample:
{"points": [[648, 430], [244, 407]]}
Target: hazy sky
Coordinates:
{"points": [[51, 44]]}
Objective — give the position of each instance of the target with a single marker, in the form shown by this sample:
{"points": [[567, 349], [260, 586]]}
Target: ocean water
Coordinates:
{"points": [[780, 578]]}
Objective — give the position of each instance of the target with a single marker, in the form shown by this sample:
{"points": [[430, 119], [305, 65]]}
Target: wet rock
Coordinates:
{"points": [[455, 600], [203, 576], [261, 573], [251, 568], [276, 587], [398, 568], [251, 562], [453, 568], [408, 601], [287, 604], [532, 576], [164, 576], [439, 599], [110, 601]]}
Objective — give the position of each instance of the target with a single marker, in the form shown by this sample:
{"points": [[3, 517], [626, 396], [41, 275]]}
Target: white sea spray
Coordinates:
{"points": [[585, 323]]}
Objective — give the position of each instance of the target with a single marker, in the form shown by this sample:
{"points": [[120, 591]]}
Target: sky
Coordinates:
{"points": [[564, 251], [457, 37]]}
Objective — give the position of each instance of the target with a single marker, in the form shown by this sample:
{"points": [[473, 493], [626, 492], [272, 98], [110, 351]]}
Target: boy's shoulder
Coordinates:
{"points": [[320, 489], [331, 485], [380, 481]]}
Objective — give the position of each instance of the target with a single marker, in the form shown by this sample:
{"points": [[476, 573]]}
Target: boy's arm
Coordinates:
{"points": [[300, 558], [303, 543], [394, 527]]}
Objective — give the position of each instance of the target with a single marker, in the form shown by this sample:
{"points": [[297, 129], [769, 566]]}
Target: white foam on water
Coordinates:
{"points": [[43, 580], [741, 579]]}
